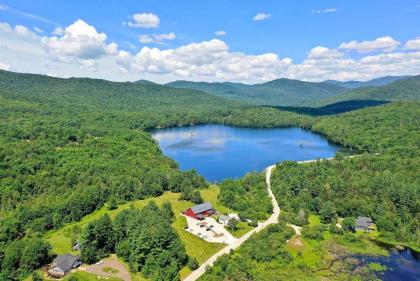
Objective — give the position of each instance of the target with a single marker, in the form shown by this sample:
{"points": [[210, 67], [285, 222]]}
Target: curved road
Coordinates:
{"points": [[271, 220]]}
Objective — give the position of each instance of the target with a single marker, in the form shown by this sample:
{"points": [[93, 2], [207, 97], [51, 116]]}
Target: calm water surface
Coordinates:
{"points": [[400, 265], [218, 152]]}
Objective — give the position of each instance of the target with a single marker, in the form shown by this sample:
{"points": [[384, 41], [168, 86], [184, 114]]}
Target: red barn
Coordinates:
{"points": [[200, 211]]}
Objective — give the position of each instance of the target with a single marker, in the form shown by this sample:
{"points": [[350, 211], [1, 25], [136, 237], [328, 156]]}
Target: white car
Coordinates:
{"points": [[99, 262]]}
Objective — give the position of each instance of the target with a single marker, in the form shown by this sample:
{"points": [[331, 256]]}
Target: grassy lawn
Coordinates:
{"points": [[195, 247], [314, 220], [306, 252], [241, 229], [84, 276]]}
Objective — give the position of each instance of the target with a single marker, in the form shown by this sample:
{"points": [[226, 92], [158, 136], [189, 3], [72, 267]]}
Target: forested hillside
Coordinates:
{"points": [[70, 146], [381, 81], [407, 89], [383, 184], [280, 92]]}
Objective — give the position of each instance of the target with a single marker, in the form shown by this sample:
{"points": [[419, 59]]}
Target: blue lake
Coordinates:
{"points": [[218, 152]]}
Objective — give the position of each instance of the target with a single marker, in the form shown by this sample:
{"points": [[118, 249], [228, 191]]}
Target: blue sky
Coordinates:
{"points": [[287, 29]]}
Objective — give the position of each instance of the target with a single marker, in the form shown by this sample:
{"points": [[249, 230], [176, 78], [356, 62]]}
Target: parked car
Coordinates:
{"points": [[99, 262]]}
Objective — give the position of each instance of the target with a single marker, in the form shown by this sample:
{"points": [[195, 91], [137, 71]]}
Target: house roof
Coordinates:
{"points": [[201, 207], [224, 218], [363, 222], [65, 262]]}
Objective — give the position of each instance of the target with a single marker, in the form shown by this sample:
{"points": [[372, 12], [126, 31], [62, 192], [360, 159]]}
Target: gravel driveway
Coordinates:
{"points": [[97, 269]]}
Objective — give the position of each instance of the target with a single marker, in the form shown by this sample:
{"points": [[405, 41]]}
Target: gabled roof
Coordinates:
{"points": [[201, 207], [363, 222], [224, 218], [65, 262]]}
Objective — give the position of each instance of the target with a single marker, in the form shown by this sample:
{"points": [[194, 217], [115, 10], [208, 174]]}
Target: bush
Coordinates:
{"points": [[334, 229], [253, 223], [192, 263], [315, 233]]}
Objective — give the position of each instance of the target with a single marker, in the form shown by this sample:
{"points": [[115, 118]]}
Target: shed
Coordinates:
{"points": [[224, 219], [364, 224]]}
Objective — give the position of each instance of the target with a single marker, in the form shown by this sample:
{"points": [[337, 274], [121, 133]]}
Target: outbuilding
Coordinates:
{"points": [[224, 219], [364, 224]]}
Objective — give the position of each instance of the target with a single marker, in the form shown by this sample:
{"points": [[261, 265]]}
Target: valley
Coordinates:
{"points": [[70, 169]]}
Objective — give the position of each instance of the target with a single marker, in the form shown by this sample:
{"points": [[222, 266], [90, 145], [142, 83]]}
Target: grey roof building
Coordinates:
{"points": [[203, 207], [224, 219], [364, 223], [200, 211], [63, 264]]}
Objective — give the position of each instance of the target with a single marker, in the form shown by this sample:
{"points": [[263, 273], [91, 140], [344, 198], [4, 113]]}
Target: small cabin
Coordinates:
{"points": [[364, 224]]}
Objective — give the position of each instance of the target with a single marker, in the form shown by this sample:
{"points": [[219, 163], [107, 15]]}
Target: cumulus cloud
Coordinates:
{"points": [[261, 16], [156, 38], [324, 11], [209, 59], [4, 66], [213, 61], [320, 52], [17, 30], [58, 31], [144, 20], [84, 49], [386, 44], [413, 44], [220, 33], [81, 42]]}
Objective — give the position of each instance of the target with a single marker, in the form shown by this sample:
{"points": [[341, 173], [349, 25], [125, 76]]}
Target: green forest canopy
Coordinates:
{"points": [[77, 143]]}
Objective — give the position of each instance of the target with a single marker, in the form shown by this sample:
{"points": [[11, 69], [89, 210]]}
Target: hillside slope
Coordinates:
{"points": [[381, 81], [280, 92], [405, 90]]}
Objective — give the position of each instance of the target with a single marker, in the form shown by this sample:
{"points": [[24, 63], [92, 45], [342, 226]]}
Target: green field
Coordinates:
{"points": [[195, 247]]}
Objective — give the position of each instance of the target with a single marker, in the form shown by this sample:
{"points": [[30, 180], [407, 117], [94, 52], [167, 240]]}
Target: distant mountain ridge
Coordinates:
{"points": [[286, 92], [407, 89], [381, 81]]}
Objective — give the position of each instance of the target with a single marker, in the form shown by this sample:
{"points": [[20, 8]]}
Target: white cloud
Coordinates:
{"points": [[156, 38], [261, 16], [385, 44], [320, 52], [82, 51], [18, 30], [413, 44], [58, 31], [324, 11], [81, 42], [210, 60], [5, 27], [39, 30], [144, 20], [4, 66], [3, 7], [220, 33]]}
